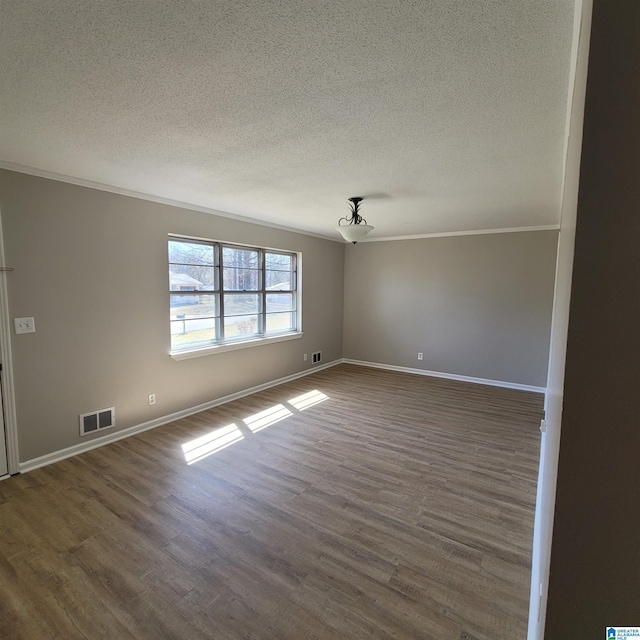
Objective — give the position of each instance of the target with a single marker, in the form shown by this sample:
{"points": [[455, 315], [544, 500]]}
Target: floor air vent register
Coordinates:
{"points": [[97, 420]]}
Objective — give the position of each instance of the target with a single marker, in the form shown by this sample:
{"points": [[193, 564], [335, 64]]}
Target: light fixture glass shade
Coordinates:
{"points": [[354, 232]]}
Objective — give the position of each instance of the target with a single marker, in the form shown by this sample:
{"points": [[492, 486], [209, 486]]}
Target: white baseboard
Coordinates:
{"points": [[56, 456], [82, 447], [447, 376]]}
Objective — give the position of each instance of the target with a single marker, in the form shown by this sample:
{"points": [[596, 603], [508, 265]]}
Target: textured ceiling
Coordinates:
{"points": [[449, 113]]}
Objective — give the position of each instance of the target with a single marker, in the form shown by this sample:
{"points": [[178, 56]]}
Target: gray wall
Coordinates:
{"points": [[595, 556], [477, 305], [91, 267]]}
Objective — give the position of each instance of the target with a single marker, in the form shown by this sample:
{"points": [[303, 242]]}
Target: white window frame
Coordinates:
{"points": [[219, 344]]}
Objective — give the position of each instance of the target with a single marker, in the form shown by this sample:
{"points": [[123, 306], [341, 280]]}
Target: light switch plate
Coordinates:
{"points": [[24, 325]]}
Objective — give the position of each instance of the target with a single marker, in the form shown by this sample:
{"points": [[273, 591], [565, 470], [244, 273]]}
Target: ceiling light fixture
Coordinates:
{"points": [[353, 229]]}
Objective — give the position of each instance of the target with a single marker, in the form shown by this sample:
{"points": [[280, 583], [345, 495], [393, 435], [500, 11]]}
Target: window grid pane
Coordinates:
{"points": [[192, 278], [240, 257], [239, 304], [237, 327], [280, 302], [191, 253], [194, 306], [280, 322], [236, 279], [278, 261], [186, 333], [279, 280]]}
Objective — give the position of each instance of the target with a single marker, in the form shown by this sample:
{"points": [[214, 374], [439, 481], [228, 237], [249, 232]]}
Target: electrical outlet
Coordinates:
{"points": [[419, 355], [152, 398], [24, 325], [305, 357]]}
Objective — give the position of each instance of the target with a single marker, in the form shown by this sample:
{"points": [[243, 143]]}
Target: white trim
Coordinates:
{"points": [[550, 440], [232, 346], [8, 395], [476, 232], [242, 245], [4, 477], [83, 447], [448, 376], [68, 452], [99, 186], [209, 349]]}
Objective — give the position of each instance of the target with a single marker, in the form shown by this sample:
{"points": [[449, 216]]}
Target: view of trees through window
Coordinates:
{"points": [[222, 293]]}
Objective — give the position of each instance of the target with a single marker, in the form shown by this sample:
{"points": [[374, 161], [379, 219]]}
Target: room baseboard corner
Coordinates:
{"points": [[447, 376]]}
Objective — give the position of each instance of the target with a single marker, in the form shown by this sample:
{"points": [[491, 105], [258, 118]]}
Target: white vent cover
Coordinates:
{"points": [[97, 420]]}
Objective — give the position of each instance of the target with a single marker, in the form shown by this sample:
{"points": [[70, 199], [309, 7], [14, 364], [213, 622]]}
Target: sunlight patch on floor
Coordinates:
{"points": [[211, 443], [221, 438], [266, 418], [307, 400]]}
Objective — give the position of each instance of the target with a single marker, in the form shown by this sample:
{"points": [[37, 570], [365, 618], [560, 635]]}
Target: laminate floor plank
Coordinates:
{"points": [[352, 503]]}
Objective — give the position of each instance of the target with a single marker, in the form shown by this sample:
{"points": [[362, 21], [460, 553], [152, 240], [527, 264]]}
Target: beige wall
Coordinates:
{"points": [[477, 305], [91, 267]]}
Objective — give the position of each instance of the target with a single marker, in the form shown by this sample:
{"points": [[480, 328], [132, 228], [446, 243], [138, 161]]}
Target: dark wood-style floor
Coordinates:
{"points": [[398, 506]]}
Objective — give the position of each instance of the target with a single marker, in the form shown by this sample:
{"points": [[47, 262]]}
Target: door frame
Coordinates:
{"points": [[550, 440], [8, 389]]}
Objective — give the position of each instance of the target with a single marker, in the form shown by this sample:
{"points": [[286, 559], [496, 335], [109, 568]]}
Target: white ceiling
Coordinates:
{"points": [[449, 113]]}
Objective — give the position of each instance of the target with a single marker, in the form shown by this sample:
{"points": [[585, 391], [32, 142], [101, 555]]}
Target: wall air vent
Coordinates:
{"points": [[97, 420], [316, 357]]}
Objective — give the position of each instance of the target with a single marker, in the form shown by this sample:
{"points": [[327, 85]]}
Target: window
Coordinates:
{"points": [[223, 294]]}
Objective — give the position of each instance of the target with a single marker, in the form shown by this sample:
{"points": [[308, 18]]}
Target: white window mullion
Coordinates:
{"points": [[221, 289], [263, 294]]}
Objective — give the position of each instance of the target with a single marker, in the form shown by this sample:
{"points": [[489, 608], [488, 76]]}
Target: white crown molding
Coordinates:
{"points": [[476, 232], [99, 186], [90, 184]]}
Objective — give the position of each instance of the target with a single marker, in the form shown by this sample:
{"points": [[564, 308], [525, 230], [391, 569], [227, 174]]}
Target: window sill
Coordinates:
{"points": [[232, 346]]}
